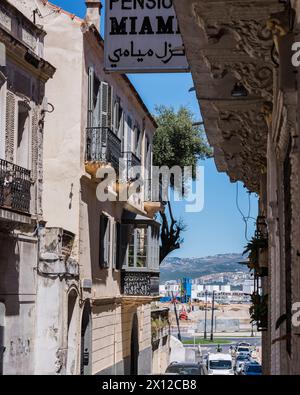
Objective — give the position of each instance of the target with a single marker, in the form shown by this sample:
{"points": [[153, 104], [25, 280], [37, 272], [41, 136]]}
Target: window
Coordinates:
{"points": [[93, 100], [129, 134], [22, 149], [105, 242], [142, 246], [100, 97], [138, 141], [138, 246]]}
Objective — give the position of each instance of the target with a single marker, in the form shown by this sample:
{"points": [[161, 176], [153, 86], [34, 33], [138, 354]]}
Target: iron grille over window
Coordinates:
{"points": [[15, 187]]}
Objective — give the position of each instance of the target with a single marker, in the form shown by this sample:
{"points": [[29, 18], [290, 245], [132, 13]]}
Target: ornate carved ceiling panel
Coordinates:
{"points": [[229, 42]]}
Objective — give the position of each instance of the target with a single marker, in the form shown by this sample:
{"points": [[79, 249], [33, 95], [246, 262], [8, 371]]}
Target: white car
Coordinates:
{"points": [[243, 350], [219, 364]]}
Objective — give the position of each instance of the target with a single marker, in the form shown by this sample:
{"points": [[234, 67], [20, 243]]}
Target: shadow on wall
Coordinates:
{"points": [[88, 196], [2, 323], [10, 274], [130, 339]]}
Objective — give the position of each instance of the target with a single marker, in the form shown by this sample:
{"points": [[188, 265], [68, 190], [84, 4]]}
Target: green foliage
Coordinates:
{"points": [[253, 248], [177, 142], [259, 309]]}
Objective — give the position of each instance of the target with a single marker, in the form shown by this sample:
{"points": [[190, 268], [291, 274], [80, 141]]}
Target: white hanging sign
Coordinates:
{"points": [[143, 36]]}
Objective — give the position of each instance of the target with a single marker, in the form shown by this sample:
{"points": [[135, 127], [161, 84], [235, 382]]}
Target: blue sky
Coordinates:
{"points": [[219, 228]]}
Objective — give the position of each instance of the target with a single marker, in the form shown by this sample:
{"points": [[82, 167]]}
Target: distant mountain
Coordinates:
{"points": [[176, 268]]}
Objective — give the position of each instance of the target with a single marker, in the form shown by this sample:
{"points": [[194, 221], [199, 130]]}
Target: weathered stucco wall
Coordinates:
{"points": [[62, 141], [112, 329], [18, 258]]}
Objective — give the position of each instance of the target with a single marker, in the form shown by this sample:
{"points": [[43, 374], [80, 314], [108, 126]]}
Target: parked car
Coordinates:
{"points": [[252, 369], [240, 361], [243, 344], [185, 368], [219, 364], [242, 350]]}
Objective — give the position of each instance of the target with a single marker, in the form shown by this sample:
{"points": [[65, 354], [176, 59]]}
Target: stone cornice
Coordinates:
{"points": [[18, 51]]}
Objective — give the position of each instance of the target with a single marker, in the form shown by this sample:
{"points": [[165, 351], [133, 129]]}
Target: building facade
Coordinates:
{"points": [[97, 243], [248, 89], [24, 73]]}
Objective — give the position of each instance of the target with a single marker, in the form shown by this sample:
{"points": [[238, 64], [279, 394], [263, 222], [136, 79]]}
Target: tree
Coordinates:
{"points": [[178, 141]]}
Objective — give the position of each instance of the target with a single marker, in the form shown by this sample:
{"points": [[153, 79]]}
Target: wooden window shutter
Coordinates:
{"points": [[139, 142], [10, 127], [90, 96], [124, 237], [114, 245], [91, 84], [110, 112], [104, 104], [117, 116], [34, 144], [129, 133], [104, 244]]}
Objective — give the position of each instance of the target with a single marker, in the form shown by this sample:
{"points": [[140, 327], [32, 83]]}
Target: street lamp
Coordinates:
{"points": [[205, 316], [212, 317]]}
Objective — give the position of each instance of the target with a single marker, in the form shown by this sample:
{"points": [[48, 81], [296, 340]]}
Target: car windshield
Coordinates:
{"points": [[181, 369], [254, 369], [243, 349], [215, 365], [242, 357]]}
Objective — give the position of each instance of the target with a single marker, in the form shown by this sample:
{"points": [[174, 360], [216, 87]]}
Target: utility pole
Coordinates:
{"points": [[205, 316], [176, 315], [212, 317]]}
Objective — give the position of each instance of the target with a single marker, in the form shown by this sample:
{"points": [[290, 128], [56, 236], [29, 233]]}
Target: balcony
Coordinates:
{"points": [[103, 147], [15, 184], [139, 283], [139, 257], [131, 159], [153, 198]]}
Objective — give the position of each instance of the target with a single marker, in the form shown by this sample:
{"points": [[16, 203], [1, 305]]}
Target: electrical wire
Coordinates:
{"points": [[245, 218]]}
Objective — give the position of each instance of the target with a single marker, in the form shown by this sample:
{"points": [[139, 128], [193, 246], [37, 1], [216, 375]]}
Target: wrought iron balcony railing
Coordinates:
{"points": [[129, 161], [102, 145], [15, 184], [136, 283]]}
